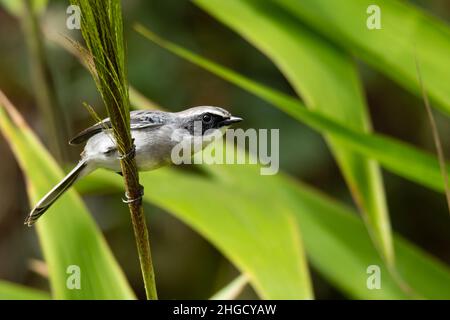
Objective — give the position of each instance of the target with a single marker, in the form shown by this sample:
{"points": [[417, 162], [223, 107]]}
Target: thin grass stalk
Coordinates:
{"points": [[43, 84], [435, 132], [262, 93], [101, 27], [137, 99]]}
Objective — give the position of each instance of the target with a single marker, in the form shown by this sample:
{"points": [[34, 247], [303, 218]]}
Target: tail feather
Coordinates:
{"points": [[55, 193]]}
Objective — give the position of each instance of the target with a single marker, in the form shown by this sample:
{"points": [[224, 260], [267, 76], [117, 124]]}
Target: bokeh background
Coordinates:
{"points": [[186, 265]]}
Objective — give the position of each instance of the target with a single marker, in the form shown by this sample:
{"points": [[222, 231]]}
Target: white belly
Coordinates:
{"points": [[153, 149]]}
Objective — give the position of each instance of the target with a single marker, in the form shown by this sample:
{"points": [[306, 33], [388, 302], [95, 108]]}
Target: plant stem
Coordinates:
{"points": [[143, 246], [102, 30], [435, 132], [134, 191], [43, 83]]}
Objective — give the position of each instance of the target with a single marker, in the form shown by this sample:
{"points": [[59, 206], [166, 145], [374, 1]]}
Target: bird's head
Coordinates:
{"points": [[202, 124], [198, 120]]}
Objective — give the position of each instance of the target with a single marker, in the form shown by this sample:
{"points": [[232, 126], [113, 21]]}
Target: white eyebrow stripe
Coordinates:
{"points": [[200, 110], [212, 111], [217, 113]]}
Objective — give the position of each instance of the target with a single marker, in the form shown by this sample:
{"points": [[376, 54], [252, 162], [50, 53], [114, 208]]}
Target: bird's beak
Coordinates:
{"points": [[230, 121]]}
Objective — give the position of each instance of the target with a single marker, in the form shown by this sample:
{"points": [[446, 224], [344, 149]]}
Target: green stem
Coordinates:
{"points": [[144, 252], [102, 30], [134, 191], [43, 83]]}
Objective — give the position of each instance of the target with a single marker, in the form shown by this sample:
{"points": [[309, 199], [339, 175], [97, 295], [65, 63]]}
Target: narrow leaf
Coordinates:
{"points": [[15, 7], [326, 79], [335, 238], [404, 30], [12, 291], [68, 235], [232, 290], [396, 156], [260, 237]]}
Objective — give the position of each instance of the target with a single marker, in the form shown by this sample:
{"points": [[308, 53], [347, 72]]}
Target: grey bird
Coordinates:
{"points": [[155, 134]]}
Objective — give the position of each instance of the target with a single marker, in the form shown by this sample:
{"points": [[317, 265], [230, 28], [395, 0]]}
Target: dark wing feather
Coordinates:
{"points": [[138, 120], [84, 135]]}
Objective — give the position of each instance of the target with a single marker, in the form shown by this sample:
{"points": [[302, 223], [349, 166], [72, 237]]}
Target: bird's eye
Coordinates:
{"points": [[207, 118]]}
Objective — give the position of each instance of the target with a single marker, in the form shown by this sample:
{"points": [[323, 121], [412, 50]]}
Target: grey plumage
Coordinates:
{"points": [[138, 120], [154, 139], [55, 193]]}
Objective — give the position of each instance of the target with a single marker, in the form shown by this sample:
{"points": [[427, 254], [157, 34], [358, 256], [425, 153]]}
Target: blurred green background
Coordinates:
{"points": [[186, 265]]}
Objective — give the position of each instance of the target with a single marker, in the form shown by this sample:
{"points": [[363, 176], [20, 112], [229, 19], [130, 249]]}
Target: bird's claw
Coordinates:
{"points": [[130, 154], [129, 199]]}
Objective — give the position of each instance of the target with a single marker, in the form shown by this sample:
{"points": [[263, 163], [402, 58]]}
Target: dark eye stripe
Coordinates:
{"points": [[212, 124]]}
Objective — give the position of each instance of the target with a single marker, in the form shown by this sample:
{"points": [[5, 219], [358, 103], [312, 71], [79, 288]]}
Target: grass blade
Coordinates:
{"points": [[335, 238], [435, 132], [232, 290], [260, 237], [396, 156], [12, 291], [64, 42], [15, 7], [326, 79], [67, 234], [404, 30], [43, 82]]}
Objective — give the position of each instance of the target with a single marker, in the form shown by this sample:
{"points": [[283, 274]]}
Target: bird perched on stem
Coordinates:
{"points": [[155, 134]]}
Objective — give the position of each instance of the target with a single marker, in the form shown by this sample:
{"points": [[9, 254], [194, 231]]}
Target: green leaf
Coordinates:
{"points": [[260, 237], [327, 80], [232, 290], [405, 31], [339, 247], [15, 8], [336, 241], [396, 156], [12, 291], [67, 233]]}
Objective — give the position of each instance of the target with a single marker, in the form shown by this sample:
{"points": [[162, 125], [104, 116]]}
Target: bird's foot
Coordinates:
{"points": [[130, 154], [128, 199]]}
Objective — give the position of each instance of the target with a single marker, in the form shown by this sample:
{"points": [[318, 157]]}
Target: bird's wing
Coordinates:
{"points": [[138, 120]]}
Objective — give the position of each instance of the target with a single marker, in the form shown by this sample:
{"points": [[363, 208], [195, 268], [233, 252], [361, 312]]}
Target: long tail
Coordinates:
{"points": [[55, 193]]}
